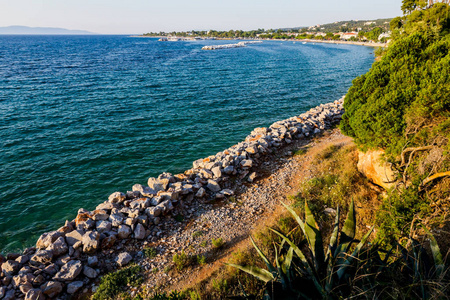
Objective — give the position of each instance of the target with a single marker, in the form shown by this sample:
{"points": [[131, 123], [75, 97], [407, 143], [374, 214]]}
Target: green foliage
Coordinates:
{"points": [[150, 252], [350, 268], [181, 260], [201, 260], [218, 243], [311, 267], [197, 234], [114, 283], [409, 80], [173, 295], [220, 285]]}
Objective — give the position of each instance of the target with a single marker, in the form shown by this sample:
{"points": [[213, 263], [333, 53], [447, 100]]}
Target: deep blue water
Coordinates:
{"points": [[84, 116]]}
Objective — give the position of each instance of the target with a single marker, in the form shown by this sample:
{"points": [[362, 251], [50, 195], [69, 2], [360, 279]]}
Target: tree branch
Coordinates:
{"points": [[435, 176]]}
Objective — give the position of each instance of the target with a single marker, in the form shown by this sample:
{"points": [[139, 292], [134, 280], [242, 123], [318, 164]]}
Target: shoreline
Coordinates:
{"points": [[366, 44], [71, 259]]}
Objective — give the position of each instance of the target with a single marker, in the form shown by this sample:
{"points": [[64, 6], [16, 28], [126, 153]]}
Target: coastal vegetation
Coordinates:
{"points": [[367, 31], [393, 245], [402, 105]]}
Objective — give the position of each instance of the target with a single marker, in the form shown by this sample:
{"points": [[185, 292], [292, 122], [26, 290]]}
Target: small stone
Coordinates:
{"points": [[2, 291], [139, 232], [108, 242], [252, 177], [89, 272], [213, 185], [123, 259], [200, 193], [9, 295], [100, 215], [92, 261], [24, 288], [69, 271], [74, 287], [247, 163], [51, 269], [116, 219], [23, 259]]}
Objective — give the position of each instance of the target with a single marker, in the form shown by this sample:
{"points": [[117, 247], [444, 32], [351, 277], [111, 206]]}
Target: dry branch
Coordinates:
{"points": [[435, 176], [414, 150]]}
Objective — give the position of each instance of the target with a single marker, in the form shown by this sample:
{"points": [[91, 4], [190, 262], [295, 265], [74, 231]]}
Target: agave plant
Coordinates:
{"points": [[310, 272]]}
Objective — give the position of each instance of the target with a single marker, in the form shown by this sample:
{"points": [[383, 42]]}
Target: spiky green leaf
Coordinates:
{"points": [[334, 236], [259, 273], [437, 255], [348, 261], [314, 237], [349, 229], [271, 268], [296, 217]]}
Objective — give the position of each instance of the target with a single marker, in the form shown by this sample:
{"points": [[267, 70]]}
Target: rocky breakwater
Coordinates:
{"points": [[70, 259]]}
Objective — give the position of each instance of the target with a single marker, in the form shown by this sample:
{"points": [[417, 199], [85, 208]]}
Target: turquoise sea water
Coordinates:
{"points": [[84, 116]]}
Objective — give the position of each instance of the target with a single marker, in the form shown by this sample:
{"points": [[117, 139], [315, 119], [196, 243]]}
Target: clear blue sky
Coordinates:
{"points": [[139, 16]]}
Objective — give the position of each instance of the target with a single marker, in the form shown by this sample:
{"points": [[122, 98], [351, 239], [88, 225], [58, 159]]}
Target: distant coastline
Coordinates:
{"points": [[367, 44]]}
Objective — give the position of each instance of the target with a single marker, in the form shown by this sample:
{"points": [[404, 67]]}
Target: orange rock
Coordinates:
{"points": [[375, 169], [83, 217]]}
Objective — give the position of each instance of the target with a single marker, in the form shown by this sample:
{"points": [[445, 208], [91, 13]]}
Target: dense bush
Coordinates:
{"points": [[408, 88]]}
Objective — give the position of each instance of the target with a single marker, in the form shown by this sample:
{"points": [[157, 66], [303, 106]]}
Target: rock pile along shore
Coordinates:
{"points": [[68, 260]]}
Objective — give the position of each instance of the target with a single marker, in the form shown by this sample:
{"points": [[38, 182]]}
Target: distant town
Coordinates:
{"points": [[354, 30]]}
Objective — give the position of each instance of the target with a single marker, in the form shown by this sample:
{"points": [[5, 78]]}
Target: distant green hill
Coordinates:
{"points": [[353, 25]]}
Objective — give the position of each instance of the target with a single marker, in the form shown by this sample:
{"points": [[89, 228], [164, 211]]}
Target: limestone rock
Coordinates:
{"points": [[47, 239], [123, 259], [252, 177], [42, 257], [74, 236], [58, 247], [91, 242], [153, 211], [247, 163], [124, 231], [74, 287], [108, 241], [217, 172], [139, 232], [92, 261], [34, 294], [117, 197], [9, 295], [213, 186], [89, 272], [10, 267], [200, 193], [377, 171], [52, 288], [69, 271], [103, 226]]}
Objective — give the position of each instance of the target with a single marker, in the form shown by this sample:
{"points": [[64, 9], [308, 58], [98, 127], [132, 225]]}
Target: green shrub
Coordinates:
{"points": [[201, 260], [150, 252], [181, 260], [217, 243], [114, 283]]}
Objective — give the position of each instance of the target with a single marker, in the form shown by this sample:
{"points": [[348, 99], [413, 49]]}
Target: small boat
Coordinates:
{"points": [[304, 43], [163, 39]]}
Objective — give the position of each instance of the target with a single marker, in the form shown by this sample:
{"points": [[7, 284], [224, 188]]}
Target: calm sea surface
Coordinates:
{"points": [[84, 116]]}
